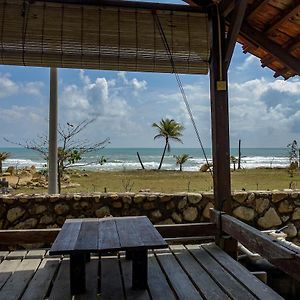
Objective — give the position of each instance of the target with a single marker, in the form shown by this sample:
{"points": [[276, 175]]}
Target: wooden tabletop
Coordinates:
{"points": [[107, 234]]}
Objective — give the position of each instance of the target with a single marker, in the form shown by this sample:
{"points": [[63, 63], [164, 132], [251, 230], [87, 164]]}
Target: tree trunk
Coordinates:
{"points": [[240, 155], [1, 166], [163, 155], [180, 167]]}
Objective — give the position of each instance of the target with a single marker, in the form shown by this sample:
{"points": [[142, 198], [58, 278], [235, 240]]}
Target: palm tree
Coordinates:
{"points": [[169, 130], [181, 159], [3, 157]]}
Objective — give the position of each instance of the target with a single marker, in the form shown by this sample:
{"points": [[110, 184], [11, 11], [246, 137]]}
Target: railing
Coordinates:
{"points": [[275, 251]]}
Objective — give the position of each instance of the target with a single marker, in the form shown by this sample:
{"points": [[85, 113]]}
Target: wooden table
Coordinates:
{"points": [[80, 237]]}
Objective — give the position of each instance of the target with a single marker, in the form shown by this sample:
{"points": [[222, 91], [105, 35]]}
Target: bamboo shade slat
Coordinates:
{"points": [[51, 34]]}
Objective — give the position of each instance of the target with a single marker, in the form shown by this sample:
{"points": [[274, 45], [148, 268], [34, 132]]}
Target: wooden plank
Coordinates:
{"points": [[177, 277], [234, 29], [40, 283], [61, 286], [138, 232], [207, 286], [111, 279], [276, 50], [91, 281], [229, 284], [18, 254], [128, 233], [111, 240], [251, 282], [36, 253], [67, 237], [131, 294], [150, 236], [281, 256], [186, 230], [7, 267], [18, 281], [158, 285], [3, 254], [87, 239], [30, 236]]}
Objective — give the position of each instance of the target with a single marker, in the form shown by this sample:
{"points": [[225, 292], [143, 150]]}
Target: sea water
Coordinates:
{"points": [[119, 159]]}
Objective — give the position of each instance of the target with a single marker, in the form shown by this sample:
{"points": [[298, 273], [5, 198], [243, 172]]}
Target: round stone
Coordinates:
{"points": [[194, 198], [15, 213], [206, 211], [270, 219], [244, 213], [190, 214], [61, 209], [102, 212]]}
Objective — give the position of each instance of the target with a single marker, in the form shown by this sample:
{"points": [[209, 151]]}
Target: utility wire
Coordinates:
{"points": [[165, 41]]}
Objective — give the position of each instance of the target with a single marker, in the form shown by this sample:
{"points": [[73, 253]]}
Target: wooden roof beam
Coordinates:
{"points": [[255, 7], [285, 16], [281, 54], [226, 7], [234, 28]]}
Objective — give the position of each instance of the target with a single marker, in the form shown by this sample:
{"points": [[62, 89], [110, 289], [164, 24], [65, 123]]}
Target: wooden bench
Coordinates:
{"points": [[80, 237]]}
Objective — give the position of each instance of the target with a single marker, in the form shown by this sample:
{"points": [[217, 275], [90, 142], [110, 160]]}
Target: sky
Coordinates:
{"points": [[264, 111]]}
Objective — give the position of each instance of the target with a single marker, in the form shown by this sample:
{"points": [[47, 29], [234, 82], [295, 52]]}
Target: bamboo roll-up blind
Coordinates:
{"points": [[101, 37]]}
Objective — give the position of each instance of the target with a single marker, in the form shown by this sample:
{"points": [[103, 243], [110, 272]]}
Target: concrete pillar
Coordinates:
{"points": [[52, 157]]}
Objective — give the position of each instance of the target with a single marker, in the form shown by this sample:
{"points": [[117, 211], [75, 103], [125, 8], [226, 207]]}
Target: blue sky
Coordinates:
{"points": [[264, 112]]}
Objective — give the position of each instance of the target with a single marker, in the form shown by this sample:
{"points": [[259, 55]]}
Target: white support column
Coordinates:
{"points": [[52, 157]]}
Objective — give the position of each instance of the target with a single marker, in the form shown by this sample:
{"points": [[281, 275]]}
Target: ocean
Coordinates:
{"points": [[119, 159]]}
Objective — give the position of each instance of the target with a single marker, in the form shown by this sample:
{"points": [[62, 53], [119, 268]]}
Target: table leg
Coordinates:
{"points": [[139, 269], [77, 273], [128, 254]]}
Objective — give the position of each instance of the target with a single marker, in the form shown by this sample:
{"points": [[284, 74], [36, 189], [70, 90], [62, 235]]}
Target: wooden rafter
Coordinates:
{"points": [[234, 29], [255, 7], [277, 51], [226, 7], [287, 14]]}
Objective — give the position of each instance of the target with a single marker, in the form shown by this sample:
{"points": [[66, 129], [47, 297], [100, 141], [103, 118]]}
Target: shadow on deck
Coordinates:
{"points": [[180, 272]]}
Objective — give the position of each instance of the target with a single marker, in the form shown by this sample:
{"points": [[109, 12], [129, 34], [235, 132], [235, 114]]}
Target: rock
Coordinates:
{"points": [[40, 209], [270, 219], [127, 199], [117, 204], [152, 198], [208, 195], [165, 198], [46, 219], [170, 205], [205, 167], [5, 174], [190, 214], [54, 198], [61, 209], [15, 213], [176, 217], [296, 214], [149, 205], [278, 196], [251, 197], [285, 218], [138, 198], [290, 231], [261, 204], [168, 221], [285, 207], [206, 211], [84, 204], [10, 170], [8, 200], [194, 198], [27, 224], [244, 213], [156, 214], [240, 197], [102, 212], [182, 203]]}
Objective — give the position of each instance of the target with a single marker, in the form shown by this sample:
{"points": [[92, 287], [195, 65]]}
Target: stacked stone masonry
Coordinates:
{"points": [[261, 209]]}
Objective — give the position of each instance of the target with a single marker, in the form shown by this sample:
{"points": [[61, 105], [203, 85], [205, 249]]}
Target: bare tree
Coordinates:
{"points": [[70, 150]]}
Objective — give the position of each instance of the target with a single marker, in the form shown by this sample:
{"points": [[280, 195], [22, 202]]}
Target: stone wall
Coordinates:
{"points": [[263, 210]]}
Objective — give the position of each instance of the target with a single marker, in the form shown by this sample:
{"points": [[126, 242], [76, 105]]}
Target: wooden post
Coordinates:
{"points": [[240, 156], [220, 121]]}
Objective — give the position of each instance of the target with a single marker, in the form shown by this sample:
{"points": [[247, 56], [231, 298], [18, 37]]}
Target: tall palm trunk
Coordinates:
{"points": [[163, 155], [0, 166]]}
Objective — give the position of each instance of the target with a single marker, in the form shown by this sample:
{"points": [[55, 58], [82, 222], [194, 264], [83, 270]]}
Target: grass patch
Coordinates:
{"points": [[175, 181]]}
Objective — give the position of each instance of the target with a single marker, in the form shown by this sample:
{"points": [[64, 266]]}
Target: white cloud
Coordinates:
{"points": [[8, 87], [247, 63]]}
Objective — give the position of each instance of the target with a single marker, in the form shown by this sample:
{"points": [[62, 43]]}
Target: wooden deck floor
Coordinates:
{"points": [[180, 272]]}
